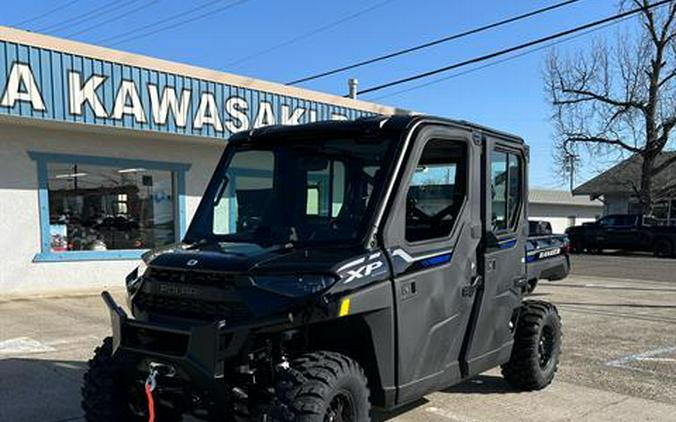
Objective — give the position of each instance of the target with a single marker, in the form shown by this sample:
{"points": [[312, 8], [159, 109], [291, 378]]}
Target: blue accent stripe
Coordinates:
{"points": [[436, 260], [506, 244]]}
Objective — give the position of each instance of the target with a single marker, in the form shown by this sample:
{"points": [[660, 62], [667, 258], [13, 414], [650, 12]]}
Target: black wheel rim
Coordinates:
{"points": [[341, 408], [546, 346]]}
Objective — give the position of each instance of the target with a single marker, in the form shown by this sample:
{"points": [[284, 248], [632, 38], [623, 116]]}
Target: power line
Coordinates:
{"points": [[183, 22], [97, 25], [310, 33], [497, 62], [432, 43], [45, 14], [159, 22], [77, 19], [514, 48]]}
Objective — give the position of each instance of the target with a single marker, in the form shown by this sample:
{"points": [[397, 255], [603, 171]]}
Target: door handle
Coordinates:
{"points": [[473, 285]]}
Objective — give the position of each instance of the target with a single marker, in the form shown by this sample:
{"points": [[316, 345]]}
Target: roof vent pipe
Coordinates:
{"points": [[352, 88]]}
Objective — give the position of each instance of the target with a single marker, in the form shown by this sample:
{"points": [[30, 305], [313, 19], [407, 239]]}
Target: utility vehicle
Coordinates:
{"points": [[332, 268], [547, 254]]}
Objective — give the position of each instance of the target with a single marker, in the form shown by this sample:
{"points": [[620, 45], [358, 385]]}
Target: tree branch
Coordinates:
{"points": [[590, 96], [667, 78], [600, 140]]}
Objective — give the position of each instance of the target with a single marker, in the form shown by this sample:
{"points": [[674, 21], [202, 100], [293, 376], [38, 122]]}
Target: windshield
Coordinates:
{"points": [[294, 191]]}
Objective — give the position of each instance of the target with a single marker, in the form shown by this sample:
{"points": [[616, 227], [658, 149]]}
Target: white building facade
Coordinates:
{"points": [[561, 209]]}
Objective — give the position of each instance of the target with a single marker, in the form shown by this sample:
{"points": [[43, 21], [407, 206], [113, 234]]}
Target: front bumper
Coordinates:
{"points": [[202, 353]]}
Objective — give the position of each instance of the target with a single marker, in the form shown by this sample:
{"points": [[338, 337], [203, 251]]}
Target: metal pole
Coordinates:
{"points": [[352, 88]]}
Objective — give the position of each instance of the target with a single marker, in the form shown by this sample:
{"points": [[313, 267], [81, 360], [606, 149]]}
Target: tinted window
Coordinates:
{"points": [[305, 191], [436, 191], [514, 193], [326, 189], [247, 192], [607, 221], [506, 191]]}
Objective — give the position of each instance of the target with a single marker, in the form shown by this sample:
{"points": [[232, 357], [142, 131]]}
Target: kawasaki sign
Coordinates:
{"points": [[54, 85]]}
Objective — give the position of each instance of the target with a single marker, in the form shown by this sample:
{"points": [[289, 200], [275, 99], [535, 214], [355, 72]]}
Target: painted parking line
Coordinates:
{"points": [[649, 356], [27, 345], [23, 345]]}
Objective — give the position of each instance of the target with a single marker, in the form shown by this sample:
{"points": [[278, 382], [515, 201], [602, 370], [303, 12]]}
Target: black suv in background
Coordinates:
{"points": [[628, 232]]}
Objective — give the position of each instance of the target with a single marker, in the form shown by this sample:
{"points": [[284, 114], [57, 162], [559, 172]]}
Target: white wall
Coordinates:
{"points": [[19, 220], [558, 215]]}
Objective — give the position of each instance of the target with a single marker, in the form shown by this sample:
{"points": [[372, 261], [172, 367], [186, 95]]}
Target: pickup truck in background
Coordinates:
{"points": [[626, 232], [547, 254]]}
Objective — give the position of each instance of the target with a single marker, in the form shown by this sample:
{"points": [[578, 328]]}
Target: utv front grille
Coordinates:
{"points": [[231, 312], [201, 278]]}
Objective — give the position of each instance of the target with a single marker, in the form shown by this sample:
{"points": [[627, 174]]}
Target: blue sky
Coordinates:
{"points": [[269, 39]]}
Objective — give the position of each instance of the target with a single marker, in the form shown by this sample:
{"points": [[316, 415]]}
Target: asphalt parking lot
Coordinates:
{"points": [[619, 361]]}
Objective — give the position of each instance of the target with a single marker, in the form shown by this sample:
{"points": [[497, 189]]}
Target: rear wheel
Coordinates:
{"points": [[663, 248], [323, 387], [537, 347], [110, 394]]}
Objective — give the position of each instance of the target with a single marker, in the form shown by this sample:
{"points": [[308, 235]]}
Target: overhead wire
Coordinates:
{"points": [[310, 33], [84, 17], [45, 14], [114, 18], [433, 43], [507, 59], [174, 25], [515, 48]]}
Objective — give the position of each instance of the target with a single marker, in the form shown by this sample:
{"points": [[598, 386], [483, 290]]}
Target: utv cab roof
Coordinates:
{"points": [[375, 125]]}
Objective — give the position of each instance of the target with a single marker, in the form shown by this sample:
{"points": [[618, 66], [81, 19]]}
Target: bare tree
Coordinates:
{"points": [[620, 100]]}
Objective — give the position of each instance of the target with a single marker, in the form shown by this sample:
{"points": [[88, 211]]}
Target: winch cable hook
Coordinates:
{"points": [[151, 383]]}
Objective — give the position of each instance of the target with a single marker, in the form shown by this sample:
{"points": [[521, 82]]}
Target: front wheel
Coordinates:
{"points": [[322, 387], [111, 394], [537, 347]]}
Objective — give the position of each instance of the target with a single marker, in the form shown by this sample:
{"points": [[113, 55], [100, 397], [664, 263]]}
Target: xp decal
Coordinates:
{"points": [[361, 268]]}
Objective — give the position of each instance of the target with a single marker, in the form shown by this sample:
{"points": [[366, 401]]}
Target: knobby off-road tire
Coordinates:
{"points": [[322, 387], [663, 249], [537, 347], [108, 396]]}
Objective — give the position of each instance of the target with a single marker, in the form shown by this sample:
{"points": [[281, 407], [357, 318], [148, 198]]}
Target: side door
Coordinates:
{"points": [[503, 258], [431, 240], [625, 234]]}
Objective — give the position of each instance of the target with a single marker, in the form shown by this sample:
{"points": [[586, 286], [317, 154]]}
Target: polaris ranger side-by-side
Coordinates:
{"points": [[331, 268], [547, 254]]}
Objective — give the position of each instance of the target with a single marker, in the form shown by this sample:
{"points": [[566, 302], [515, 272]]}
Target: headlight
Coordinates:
{"points": [[142, 267], [295, 286], [134, 278]]}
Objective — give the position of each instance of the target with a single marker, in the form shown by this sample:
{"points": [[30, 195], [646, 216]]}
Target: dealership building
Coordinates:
{"points": [[105, 154]]}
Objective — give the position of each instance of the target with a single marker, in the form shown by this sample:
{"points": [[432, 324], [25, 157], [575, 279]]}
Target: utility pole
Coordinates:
{"points": [[571, 160]]}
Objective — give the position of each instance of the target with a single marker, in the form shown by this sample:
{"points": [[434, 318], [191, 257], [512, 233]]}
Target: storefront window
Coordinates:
{"points": [[99, 208]]}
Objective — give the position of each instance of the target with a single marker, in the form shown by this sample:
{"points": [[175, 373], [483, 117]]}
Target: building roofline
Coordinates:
{"points": [[19, 36]]}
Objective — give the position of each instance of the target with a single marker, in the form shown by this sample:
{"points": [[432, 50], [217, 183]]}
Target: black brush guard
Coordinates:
{"points": [[199, 352]]}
